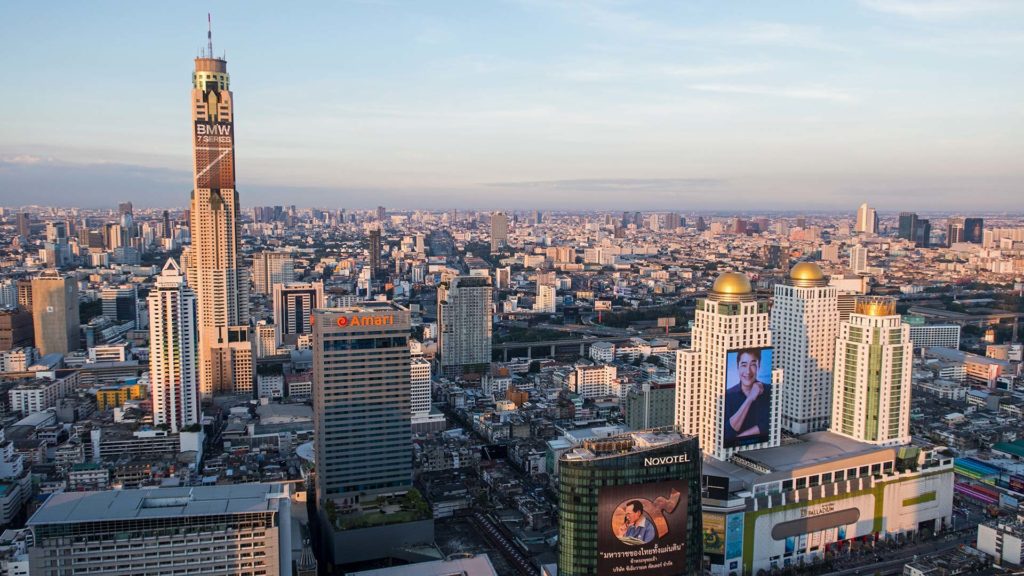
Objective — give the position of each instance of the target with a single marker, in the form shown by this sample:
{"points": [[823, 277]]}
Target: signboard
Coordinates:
{"points": [[714, 536], [602, 305], [748, 397], [666, 322], [734, 536], [642, 529]]}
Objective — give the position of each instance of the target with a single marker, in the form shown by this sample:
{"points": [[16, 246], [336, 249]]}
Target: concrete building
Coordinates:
{"points": [[650, 405], [55, 313], [230, 530], [464, 324], [871, 394], [545, 303], [229, 360], [592, 381], [121, 304], [499, 231], [38, 394], [725, 393], [294, 303], [932, 335], [804, 322], [173, 350], [361, 373], [1002, 540], [859, 259], [214, 270], [867, 220], [16, 330], [269, 268]]}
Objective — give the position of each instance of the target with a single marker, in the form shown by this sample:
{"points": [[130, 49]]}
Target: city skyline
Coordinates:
{"points": [[554, 106]]}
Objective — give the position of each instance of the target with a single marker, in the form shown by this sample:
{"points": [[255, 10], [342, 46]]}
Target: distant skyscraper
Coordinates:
{"points": [[867, 220], [499, 231], [974, 230], [545, 302], [503, 278], [923, 233], [804, 323], [871, 394], [382, 213], [55, 313], [954, 231], [121, 303], [269, 268], [361, 401], [464, 324], [173, 350], [167, 231], [375, 249], [294, 303], [24, 224], [215, 271], [907, 226], [726, 392], [125, 208], [859, 259]]}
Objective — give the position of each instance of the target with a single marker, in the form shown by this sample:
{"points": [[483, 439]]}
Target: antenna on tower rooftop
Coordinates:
{"points": [[209, 33]]}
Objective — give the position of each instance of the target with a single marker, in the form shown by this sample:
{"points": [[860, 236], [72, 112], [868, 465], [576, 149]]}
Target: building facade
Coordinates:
{"points": [[173, 350], [55, 313], [269, 268], [804, 322], [294, 303], [628, 501], [464, 324], [871, 394], [361, 402]]}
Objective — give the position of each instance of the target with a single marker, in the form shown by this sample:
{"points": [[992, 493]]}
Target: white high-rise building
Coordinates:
{"points": [[725, 381], [173, 350], [545, 298], [867, 220], [270, 268], [294, 303], [464, 323], [859, 259], [871, 393], [804, 323]]}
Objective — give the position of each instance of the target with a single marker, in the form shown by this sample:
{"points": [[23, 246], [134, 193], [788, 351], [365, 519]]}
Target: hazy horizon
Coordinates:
{"points": [[602, 105]]}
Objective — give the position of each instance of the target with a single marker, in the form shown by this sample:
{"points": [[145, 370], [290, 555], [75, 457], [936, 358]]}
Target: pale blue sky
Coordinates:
{"points": [[530, 103]]}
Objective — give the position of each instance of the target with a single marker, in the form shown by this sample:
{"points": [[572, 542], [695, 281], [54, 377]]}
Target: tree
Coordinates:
{"points": [[534, 367]]}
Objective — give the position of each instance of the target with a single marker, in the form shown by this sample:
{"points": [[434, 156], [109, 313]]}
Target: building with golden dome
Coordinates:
{"points": [[729, 320], [804, 324], [871, 393]]}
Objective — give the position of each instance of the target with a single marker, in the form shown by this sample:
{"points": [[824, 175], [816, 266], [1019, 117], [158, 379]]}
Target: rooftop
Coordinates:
{"points": [[811, 449], [629, 443], [71, 507], [479, 565]]}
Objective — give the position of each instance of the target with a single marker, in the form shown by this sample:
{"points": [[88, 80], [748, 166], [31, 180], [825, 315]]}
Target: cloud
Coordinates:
{"points": [[21, 159], [940, 9], [615, 184], [795, 92]]}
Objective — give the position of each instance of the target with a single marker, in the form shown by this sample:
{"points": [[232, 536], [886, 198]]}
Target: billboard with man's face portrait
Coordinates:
{"points": [[748, 397], [642, 529]]}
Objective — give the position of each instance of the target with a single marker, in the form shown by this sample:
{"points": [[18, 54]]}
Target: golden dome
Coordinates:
{"points": [[806, 271], [876, 306], [732, 283]]}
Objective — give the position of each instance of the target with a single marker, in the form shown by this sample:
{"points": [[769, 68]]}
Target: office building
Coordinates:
{"points": [[725, 382], [55, 313], [361, 402], [464, 324], [954, 231], [229, 361], [932, 335], [121, 304], [804, 323], [229, 530], [294, 303], [173, 350], [499, 231], [269, 268], [907, 226], [650, 405], [649, 481], [214, 270], [24, 224], [923, 233], [375, 249], [871, 394], [974, 230], [25, 294], [423, 418], [16, 330], [503, 278], [546, 293], [867, 220], [859, 259], [1003, 540]]}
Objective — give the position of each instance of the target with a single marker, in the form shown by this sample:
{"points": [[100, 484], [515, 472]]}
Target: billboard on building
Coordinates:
{"points": [[734, 536], [748, 397], [714, 536], [642, 529]]}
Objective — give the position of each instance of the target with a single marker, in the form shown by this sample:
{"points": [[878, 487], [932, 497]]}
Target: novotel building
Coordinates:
{"points": [[631, 504], [361, 402]]}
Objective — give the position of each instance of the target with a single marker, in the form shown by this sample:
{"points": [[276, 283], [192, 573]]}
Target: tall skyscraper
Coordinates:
{"points": [[271, 268], [55, 313], [173, 350], [804, 323], [974, 230], [871, 394], [215, 271], [907, 225], [499, 231], [954, 231], [24, 224], [867, 220], [859, 259], [725, 382], [923, 233], [294, 303], [361, 402], [464, 324], [167, 231], [375, 249]]}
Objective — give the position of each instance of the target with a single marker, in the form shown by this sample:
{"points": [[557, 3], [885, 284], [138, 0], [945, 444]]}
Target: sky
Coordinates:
{"points": [[590, 104]]}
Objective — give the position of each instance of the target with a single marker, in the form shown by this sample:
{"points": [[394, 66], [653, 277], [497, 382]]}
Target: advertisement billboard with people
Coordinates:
{"points": [[748, 397], [642, 529]]}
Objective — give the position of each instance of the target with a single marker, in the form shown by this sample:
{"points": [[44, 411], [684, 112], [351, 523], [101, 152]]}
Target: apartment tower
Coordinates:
{"points": [[464, 324], [173, 350]]}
